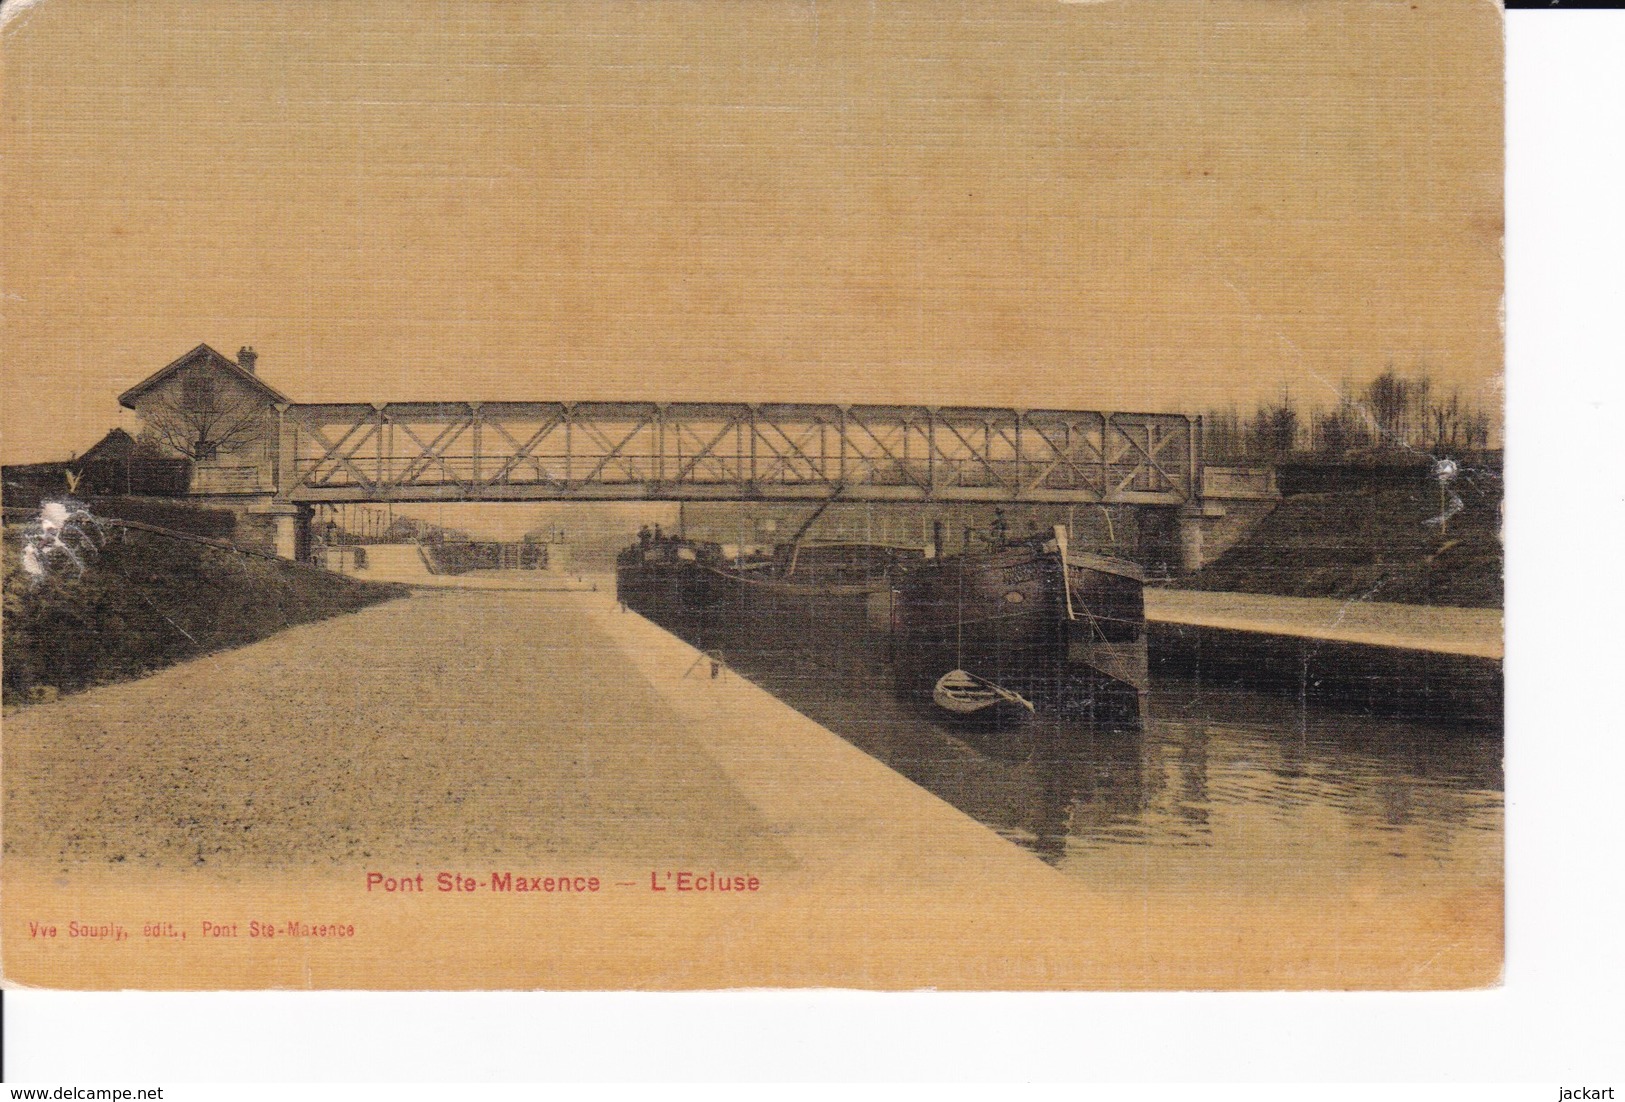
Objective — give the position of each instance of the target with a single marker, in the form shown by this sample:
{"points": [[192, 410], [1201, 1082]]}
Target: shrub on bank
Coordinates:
{"points": [[1380, 541], [177, 516], [147, 601]]}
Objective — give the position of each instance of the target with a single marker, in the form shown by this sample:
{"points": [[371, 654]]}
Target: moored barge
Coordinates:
{"points": [[1025, 625]]}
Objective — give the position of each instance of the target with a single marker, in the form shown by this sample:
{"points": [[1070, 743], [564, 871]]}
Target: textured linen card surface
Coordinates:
{"points": [[698, 495]]}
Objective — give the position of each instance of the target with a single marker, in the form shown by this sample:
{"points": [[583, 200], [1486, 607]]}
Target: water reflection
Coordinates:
{"points": [[1269, 785]]}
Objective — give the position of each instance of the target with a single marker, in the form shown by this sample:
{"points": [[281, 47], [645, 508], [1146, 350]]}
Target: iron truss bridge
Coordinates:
{"points": [[609, 451]]}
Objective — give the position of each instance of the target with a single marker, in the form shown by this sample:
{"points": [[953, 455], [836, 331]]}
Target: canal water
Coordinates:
{"points": [[1220, 786]]}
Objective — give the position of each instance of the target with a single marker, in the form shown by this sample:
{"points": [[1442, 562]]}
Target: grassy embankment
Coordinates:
{"points": [[147, 601], [1370, 540]]}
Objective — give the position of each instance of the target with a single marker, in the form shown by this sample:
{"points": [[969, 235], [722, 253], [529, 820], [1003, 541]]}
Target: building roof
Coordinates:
{"points": [[202, 353], [117, 445]]}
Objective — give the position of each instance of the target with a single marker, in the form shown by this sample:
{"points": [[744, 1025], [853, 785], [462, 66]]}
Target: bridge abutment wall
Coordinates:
{"points": [[1234, 500]]}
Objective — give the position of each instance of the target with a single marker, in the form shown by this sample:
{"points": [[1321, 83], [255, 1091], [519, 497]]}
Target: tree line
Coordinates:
{"points": [[1392, 413]]}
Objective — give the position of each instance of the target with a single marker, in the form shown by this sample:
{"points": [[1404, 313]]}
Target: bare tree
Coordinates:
{"points": [[1222, 438], [201, 418], [1389, 412], [1273, 431], [1343, 429], [1388, 398], [1447, 422]]}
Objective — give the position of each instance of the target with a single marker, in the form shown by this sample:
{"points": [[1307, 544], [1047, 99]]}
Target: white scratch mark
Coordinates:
{"points": [[1445, 470], [11, 9]]}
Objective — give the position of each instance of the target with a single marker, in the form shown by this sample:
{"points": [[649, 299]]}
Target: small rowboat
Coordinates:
{"points": [[965, 694], [1064, 629]]}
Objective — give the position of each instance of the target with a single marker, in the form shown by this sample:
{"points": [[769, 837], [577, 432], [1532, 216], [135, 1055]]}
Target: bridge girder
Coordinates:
{"points": [[619, 451]]}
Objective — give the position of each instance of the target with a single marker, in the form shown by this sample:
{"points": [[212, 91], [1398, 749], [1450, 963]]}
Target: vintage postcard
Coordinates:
{"points": [[625, 495]]}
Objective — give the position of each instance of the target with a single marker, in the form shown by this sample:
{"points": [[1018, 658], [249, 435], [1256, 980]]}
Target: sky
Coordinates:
{"points": [[1131, 205]]}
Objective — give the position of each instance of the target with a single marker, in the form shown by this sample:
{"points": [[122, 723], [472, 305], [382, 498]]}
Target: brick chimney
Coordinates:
{"points": [[246, 357]]}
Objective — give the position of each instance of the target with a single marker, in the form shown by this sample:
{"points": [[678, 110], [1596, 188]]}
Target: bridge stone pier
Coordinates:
{"points": [[292, 526]]}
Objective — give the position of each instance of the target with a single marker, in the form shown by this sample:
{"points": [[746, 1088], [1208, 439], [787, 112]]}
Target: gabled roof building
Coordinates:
{"points": [[216, 412]]}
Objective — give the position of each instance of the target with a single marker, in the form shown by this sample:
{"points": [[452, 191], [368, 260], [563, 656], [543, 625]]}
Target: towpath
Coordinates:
{"points": [[1472, 632]]}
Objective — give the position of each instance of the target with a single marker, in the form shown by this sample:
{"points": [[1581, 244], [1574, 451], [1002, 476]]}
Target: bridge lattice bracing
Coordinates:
{"points": [[609, 451]]}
